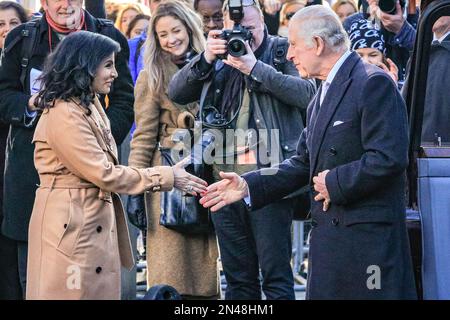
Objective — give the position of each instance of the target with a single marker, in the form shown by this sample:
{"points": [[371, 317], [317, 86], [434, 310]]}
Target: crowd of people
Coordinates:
{"points": [[315, 87]]}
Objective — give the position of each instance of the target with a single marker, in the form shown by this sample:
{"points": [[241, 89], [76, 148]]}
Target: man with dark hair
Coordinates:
{"points": [[26, 48]]}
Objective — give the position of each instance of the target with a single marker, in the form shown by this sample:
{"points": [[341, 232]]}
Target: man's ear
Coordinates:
{"points": [[319, 44], [44, 4]]}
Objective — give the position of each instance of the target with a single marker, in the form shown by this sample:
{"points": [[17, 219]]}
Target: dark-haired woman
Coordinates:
{"points": [[78, 235], [137, 26], [11, 15]]}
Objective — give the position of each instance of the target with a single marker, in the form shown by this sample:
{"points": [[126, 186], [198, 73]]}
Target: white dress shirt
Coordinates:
{"points": [[332, 74]]}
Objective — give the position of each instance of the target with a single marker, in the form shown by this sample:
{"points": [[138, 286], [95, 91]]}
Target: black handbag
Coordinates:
{"points": [[180, 211]]}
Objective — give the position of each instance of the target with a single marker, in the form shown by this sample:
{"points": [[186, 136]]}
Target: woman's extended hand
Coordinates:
{"points": [[187, 182]]}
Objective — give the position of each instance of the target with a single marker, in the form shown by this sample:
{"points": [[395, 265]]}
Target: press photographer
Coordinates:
{"points": [[398, 32], [247, 83]]}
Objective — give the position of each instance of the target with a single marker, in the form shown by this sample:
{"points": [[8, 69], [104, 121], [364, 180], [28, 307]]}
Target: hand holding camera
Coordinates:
{"points": [[243, 63], [215, 46], [232, 46], [391, 16], [389, 12]]}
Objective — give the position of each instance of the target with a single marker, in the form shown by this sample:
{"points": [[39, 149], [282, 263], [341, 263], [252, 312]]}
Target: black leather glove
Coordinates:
{"points": [[136, 211]]}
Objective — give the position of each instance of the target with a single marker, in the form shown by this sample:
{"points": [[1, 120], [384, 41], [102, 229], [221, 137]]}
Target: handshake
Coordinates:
{"points": [[230, 189], [233, 188]]}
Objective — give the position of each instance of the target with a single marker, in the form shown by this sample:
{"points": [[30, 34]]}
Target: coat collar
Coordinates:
{"points": [[335, 93], [90, 23], [43, 27], [101, 127]]}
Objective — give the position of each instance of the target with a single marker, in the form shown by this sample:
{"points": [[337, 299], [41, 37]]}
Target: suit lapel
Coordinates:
{"points": [[312, 116], [332, 100]]}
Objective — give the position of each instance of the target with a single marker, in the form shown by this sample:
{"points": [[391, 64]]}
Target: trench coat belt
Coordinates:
{"points": [[54, 181]]}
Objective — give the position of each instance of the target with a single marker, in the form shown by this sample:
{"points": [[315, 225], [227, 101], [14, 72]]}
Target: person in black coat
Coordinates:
{"points": [[436, 117], [353, 154], [12, 14], [17, 107], [96, 8]]}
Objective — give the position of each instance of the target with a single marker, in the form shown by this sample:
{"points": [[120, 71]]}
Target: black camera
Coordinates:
{"points": [[236, 38], [390, 6]]}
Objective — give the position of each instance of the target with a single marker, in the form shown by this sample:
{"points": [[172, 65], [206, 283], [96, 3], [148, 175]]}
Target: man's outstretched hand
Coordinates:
{"points": [[230, 189]]}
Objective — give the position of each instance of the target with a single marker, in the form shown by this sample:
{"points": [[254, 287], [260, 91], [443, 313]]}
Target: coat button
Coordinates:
{"points": [[98, 270], [335, 221], [333, 151], [313, 223], [99, 229]]}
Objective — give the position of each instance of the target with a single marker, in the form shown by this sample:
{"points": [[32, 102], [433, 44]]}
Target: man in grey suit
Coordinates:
{"points": [[353, 154]]}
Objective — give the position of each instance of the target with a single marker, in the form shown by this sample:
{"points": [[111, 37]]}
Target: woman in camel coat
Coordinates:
{"points": [[78, 232], [186, 262]]}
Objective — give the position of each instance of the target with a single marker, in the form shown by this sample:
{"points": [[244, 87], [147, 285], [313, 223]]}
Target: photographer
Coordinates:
{"points": [[266, 93], [398, 33]]}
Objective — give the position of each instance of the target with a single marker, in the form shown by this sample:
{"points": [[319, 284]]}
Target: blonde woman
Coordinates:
{"points": [[288, 10], [126, 14], [344, 9], [186, 262]]}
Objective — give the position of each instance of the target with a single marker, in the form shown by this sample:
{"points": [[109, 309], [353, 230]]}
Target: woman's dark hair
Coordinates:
{"points": [[21, 13], [70, 70], [133, 23]]}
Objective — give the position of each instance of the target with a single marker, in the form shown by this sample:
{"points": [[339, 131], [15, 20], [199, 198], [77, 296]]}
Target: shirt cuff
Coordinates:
{"points": [[29, 118], [405, 37], [203, 66], [247, 199]]}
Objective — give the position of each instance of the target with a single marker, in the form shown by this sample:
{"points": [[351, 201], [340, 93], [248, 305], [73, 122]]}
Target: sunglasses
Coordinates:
{"points": [[245, 3], [289, 15]]}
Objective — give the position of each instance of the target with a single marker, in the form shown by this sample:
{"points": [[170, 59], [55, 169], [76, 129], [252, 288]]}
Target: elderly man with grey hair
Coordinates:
{"points": [[353, 154]]}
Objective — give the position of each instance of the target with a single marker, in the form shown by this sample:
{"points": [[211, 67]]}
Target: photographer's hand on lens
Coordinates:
{"points": [[220, 194], [243, 63], [214, 46], [374, 9], [393, 22], [187, 182]]}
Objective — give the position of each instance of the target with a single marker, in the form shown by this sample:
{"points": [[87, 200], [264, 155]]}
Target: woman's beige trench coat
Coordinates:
{"points": [[78, 236]]}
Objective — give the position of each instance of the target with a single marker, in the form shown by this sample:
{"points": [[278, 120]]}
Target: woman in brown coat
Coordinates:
{"points": [[186, 262], [78, 236]]}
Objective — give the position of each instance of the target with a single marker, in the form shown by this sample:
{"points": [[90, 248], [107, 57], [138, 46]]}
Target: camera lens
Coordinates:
{"points": [[388, 6], [236, 47]]}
